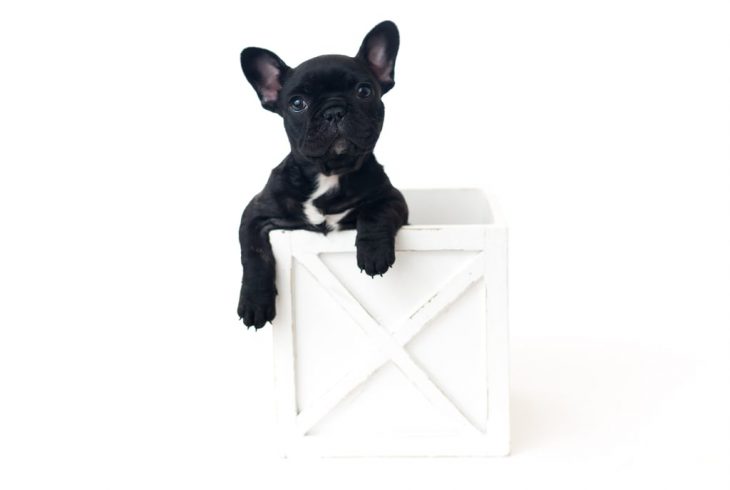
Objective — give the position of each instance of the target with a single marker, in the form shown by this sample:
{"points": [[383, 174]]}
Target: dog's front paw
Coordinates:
{"points": [[256, 307], [375, 256]]}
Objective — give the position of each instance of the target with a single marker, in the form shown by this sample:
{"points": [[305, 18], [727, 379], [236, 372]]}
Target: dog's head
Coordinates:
{"points": [[330, 104]]}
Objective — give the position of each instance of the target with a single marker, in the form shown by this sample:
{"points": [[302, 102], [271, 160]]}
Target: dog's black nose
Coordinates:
{"points": [[334, 113]]}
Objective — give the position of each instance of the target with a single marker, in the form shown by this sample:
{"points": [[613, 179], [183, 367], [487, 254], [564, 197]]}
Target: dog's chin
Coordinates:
{"points": [[340, 157]]}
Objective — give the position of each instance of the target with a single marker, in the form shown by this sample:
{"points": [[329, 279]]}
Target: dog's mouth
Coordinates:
{"points": [[339, 157], [340, 146]]}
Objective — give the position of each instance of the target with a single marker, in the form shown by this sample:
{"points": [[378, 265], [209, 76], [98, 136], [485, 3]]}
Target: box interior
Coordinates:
{"points": [[448, 207]]}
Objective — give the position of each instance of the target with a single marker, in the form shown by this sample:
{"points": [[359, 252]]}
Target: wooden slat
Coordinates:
{"points": [[283, 338], [369, 446], [498, 420], [409, 238]]}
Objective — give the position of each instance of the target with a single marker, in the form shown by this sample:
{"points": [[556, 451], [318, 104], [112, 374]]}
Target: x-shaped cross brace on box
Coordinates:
{"points": [[389, 346]]}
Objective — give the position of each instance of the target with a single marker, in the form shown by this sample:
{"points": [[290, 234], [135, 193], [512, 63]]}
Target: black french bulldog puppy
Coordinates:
{"points": [[330, 180]]}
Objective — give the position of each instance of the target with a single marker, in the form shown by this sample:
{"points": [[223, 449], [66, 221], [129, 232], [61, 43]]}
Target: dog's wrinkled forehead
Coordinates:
{"points": [[326, 74]]}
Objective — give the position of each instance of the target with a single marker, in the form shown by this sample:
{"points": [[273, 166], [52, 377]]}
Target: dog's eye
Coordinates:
{"points": [[364, 90], [297, 104]]}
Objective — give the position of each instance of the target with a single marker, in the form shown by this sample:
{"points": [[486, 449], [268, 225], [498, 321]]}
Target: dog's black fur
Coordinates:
{"points": [[333, 116]]}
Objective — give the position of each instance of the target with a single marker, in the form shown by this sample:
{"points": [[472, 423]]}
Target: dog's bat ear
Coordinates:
{"points": [[378, 50], [266, 72]]}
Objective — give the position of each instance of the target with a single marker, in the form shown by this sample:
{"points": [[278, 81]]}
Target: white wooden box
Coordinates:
{"points": [[411, 364]]}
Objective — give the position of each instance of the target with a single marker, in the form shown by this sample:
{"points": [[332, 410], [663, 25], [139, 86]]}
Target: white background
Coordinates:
{"points": [[130, 143]]}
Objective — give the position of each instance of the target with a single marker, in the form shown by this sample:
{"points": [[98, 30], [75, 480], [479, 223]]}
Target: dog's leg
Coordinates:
{"points": [[377, 224], [256, 304]]}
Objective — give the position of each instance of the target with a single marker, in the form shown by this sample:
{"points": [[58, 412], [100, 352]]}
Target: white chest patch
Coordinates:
{"points": [[325, 183]]}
